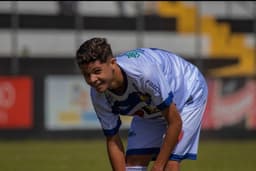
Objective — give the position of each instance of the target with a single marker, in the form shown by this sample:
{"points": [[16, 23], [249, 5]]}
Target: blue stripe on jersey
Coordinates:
{"points": [[166, 103], [110, 132], [143, 151], [155, 152], [181, 157]]}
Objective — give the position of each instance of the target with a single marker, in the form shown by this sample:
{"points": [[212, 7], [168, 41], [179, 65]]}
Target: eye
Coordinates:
{"points": [[97, 71]]}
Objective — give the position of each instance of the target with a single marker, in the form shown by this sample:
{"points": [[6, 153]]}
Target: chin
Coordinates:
{"points": [[101, 89]]}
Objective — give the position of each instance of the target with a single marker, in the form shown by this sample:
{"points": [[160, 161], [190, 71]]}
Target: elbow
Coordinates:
{"points": [[179, 124], [176, 125], [112, 137]]}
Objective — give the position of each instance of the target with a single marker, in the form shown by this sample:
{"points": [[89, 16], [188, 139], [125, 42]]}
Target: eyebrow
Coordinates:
{"points": [[96, 68]]}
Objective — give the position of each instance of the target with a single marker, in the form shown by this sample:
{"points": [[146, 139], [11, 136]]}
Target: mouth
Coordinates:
{"points": [[98, 85]]}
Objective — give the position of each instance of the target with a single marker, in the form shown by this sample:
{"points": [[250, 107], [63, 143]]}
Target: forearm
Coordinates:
{"points": [[116, 153], [174, 122], [169, 143]]}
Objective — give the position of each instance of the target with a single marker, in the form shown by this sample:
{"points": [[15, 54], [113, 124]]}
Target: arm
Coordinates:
{"points": [[171, 138], [116, 152]]}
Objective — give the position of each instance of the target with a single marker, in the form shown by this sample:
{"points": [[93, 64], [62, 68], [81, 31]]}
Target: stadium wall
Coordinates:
{"points": [[49, 99]]}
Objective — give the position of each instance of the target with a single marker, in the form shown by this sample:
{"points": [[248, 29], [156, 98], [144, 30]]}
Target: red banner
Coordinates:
{"points": [[233, 109], [16, 102]]}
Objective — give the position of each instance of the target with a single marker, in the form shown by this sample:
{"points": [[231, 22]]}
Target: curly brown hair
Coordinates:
{"points": [[92, 50]]}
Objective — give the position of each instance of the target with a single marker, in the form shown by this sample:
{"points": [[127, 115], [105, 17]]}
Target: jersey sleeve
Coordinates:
{"points": [[155, 83], [109, 121]]}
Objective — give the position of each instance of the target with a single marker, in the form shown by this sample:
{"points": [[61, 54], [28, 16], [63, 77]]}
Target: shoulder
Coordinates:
{"points": [[139, 54], [138, 62]]}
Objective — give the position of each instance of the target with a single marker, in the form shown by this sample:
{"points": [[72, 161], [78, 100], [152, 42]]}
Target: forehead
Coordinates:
{"points": [[91, 66]]}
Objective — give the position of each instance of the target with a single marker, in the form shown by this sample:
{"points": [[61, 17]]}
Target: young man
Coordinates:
{"points": [[165, 94]]}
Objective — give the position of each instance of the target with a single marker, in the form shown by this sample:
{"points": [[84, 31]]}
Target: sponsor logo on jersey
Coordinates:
{"points": [[124, 107], [134, 53], [153, 86]]}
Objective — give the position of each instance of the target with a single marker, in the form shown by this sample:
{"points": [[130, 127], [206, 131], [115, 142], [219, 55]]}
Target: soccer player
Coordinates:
{"points": [[165, 94]]}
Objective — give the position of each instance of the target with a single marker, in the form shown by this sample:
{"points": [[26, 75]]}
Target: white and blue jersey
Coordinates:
{"points": [[155, 78]]}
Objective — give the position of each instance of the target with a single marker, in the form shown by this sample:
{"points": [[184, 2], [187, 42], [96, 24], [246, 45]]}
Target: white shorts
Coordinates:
{"points": [[146, 135]]}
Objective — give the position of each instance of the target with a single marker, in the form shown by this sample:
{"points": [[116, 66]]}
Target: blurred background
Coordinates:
{"points": [[41, 90], [43, 96], [42, 93]]}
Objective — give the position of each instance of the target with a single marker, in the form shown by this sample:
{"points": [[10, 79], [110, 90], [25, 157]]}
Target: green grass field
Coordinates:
{"points": [[91, 155]]}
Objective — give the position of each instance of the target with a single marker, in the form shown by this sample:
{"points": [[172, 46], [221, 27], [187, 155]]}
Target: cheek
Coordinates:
{"points": [[110, 75], [106, 75]]}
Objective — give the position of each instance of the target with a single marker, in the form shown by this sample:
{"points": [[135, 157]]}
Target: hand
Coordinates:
{"points": [[157, 168]]}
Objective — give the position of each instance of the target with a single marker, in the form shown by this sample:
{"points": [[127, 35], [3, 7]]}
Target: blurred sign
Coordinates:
{"points": [[68, 104], [15, 102], [231, 104]]}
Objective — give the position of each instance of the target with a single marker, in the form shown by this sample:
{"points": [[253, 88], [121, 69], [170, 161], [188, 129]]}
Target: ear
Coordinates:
{"points": [[112, 61]]}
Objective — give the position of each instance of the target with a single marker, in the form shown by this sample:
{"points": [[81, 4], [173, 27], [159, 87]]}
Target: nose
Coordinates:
{"points": [[92, 79]]}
